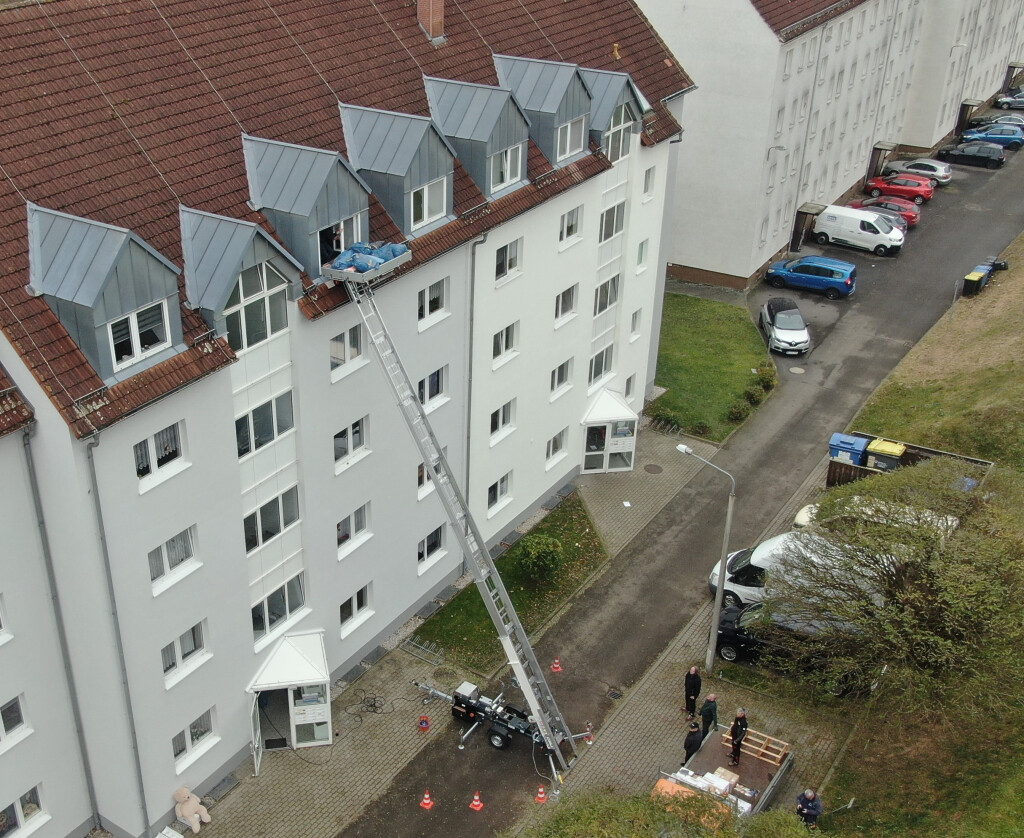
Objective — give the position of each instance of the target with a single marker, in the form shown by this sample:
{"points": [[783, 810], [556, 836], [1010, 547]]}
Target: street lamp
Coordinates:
{"points": [[716, 614]]}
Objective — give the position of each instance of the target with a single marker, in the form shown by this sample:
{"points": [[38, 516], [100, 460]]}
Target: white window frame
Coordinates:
{"points": [[346, 349], [635, 323], [429, 193], [184, 654], [570, 225], [606, 295], [167, 444], [508, 260], [601, 365], [432, 390], [565, 303], [196, 739], [353, 530], [425, 478], [561, 377], [271, 300], [9, 735], [619, 133], [509, 163], [21, 819], [432, 302], [569, 138], [135, 335], [505, 343], [356, 444], [613, 221], [355, 610], [628, 389], [343, 235], [427, 555], [171, 560], [499, 493], [282, 420], [287, 504], [641, 255], [503, 421], [293, 593], [649, 183], [555, 449]]}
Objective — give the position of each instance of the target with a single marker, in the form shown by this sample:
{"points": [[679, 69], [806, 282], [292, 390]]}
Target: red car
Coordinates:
{"points": [[908, 209], [913, 187]]}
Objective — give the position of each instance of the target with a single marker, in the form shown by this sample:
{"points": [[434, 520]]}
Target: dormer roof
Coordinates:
{"points": [[385, 141], [538, 85], [465, 110], [607, 88]]}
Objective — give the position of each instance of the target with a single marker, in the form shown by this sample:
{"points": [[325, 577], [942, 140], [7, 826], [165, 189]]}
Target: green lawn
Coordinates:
{"points": [[708, 350], [463, 627]]}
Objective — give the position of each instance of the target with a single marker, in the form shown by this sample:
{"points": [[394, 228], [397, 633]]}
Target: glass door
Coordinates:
{"points": [[311, 715]]}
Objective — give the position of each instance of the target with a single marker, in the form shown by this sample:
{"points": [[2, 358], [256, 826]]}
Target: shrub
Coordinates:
{"points": [[754, 395], [767, 377], [738, 411], [540, 556], [660, 411], [700, 428]]}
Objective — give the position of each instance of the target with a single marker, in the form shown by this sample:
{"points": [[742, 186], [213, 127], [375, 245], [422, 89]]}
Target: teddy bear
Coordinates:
{"points": [[189, 809]]}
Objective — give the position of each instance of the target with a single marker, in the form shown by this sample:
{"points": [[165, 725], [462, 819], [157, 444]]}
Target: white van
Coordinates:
{"points": [[857, 228], [746, 569]]}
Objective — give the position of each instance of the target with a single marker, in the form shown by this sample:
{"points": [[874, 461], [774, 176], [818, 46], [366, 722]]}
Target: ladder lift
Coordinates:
{"points": [[528, 673]]}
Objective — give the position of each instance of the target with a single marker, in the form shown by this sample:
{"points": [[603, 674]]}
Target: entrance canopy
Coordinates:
{"points": [[608, 407], [297, 659]]}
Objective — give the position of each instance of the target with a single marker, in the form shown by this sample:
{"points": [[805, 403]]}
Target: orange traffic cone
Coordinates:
{"points": [[477, 803], [542, 796], [426, 802], [557, 665]]}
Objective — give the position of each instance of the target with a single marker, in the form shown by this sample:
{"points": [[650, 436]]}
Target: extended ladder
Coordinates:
{"points": [[513, 637]]}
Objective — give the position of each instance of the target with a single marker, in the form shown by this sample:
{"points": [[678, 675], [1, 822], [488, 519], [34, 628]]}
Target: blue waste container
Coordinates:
{"points": [[848, 449]]}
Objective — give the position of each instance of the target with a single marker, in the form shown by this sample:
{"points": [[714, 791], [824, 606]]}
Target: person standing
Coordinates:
{"points": [[809, 807], [738, 732], [692, 741], [691, 687], [709, 713]]}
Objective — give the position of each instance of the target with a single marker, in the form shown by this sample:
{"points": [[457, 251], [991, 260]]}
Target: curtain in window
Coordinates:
{"points": [[156, 564], [200, 727], [142, 466], [191, 641], [169, 658], [152, 330], [179, 548], [168, 446], [178, 744]]}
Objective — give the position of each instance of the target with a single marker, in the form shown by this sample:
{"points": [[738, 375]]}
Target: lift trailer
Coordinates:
{"points": [[505, 719], [544, 722]]}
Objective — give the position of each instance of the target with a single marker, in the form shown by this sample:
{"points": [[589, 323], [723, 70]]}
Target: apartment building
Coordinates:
{"points": [[215, 508]]}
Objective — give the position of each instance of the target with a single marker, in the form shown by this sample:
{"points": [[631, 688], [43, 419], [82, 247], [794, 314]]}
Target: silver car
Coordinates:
{"points": [[935, 170], [784, 327]]}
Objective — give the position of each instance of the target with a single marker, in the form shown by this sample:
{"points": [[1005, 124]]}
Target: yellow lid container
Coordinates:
{"points": [[886, 448]]}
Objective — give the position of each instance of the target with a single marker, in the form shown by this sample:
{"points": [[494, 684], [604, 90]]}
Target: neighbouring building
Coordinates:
{"points": [[214, 507]]}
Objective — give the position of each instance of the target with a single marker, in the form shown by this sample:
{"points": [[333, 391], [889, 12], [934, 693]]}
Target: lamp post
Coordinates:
{"points": [[716, 614]]}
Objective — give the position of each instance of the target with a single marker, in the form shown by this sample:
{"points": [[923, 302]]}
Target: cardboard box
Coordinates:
{"points": [[727, 775]]}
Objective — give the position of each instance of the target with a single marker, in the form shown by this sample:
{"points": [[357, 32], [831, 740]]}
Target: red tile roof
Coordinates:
{"points": [[14, 411], [118, 112], [789, 18]]}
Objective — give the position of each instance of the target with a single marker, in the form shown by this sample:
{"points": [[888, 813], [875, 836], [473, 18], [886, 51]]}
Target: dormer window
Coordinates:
{"points": [[338, 237], [619, 132], [139, 335], [428, 203], [570, 138], [257, 308], [506, 168]]}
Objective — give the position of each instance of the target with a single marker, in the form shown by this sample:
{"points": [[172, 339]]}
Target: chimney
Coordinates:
{"points": [[431, 17]]}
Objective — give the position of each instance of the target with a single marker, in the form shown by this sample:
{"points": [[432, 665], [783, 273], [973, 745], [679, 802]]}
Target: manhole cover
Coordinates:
{"points": [[797, 370], [653, 469], [614, 694]]}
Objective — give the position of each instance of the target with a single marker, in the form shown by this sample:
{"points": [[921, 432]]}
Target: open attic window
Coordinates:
{"points": [[139, 335], [506, 168], [428, 202], [570, 138], [337, 237]]}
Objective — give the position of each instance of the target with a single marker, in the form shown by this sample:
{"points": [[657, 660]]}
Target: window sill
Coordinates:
{"points": [[195, 754], [351, 460], [634, 338], [280, 629], [562, 321], [599, 383], [646, 198], [425, 491], [507, 278], [501, 360], [498, 436], [10, 740], [5, 637], [500, 505], [565, 244], [428, 563], [641, 269], [151, 481], [561, 391], [346, 369], [169, 580], [432, 320], [348, 547], [358, 620], [555, 460], [33, 824], [182, 671], [435, 403]]}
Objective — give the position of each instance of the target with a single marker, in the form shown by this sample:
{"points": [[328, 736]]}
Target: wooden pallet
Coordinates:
{"points": [[760, 746]]}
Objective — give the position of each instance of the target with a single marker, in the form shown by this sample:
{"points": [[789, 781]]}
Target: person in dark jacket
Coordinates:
{"points": [[692, 742], [809, 807], [709, 713], [738, 732], [691, 686]]}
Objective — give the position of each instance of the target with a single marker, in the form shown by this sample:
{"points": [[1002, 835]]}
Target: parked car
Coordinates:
{"points": [[893, 217], [746, 569], [857, 228], [785, 327], [902, 186], [832, 277], [1008, 136], [989, 155], [936, 171], [1002, 119], [907, 210], [1014, 101]]}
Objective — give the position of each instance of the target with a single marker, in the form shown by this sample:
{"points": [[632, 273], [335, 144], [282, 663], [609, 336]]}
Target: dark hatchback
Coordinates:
{"points": [[989, 155]]}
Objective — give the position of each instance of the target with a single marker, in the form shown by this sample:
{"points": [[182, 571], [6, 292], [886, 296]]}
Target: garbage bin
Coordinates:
{"points": [[885, 455], [848, 449], [977, 279]]}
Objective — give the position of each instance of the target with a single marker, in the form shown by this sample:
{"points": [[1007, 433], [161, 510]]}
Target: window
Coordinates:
{"points": [[11, 718], [560, 375], [570, 226], [634, 324], [170, 554], [504, 341], [264, 424], [619, 132], [183, 648], [498, 491], [428, 202], [257, 308], [556, 445], [271, 519], [504, 417], [788, 65], [139, 335], [606, 295], [565, 303], [506, 259], [21, 812], [349, 441], [269, 613], [612, 220], [641, 253], [630, 383], [354, 525], [430, 545], [355, 605], [506, 167], [336, 238], [432, 387], [162, 448], [425, 476], [649, 182], [346, 346], [780, 119], [601, 364], [432, 300], [570, 139], [188, 740]]}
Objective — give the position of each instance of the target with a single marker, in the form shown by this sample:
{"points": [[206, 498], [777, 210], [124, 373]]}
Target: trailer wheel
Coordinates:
{"points": [[498, 739]]}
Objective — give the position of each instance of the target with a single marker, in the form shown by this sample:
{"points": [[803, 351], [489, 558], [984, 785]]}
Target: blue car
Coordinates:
{"points": [[1008, 136], [832, 277]]}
